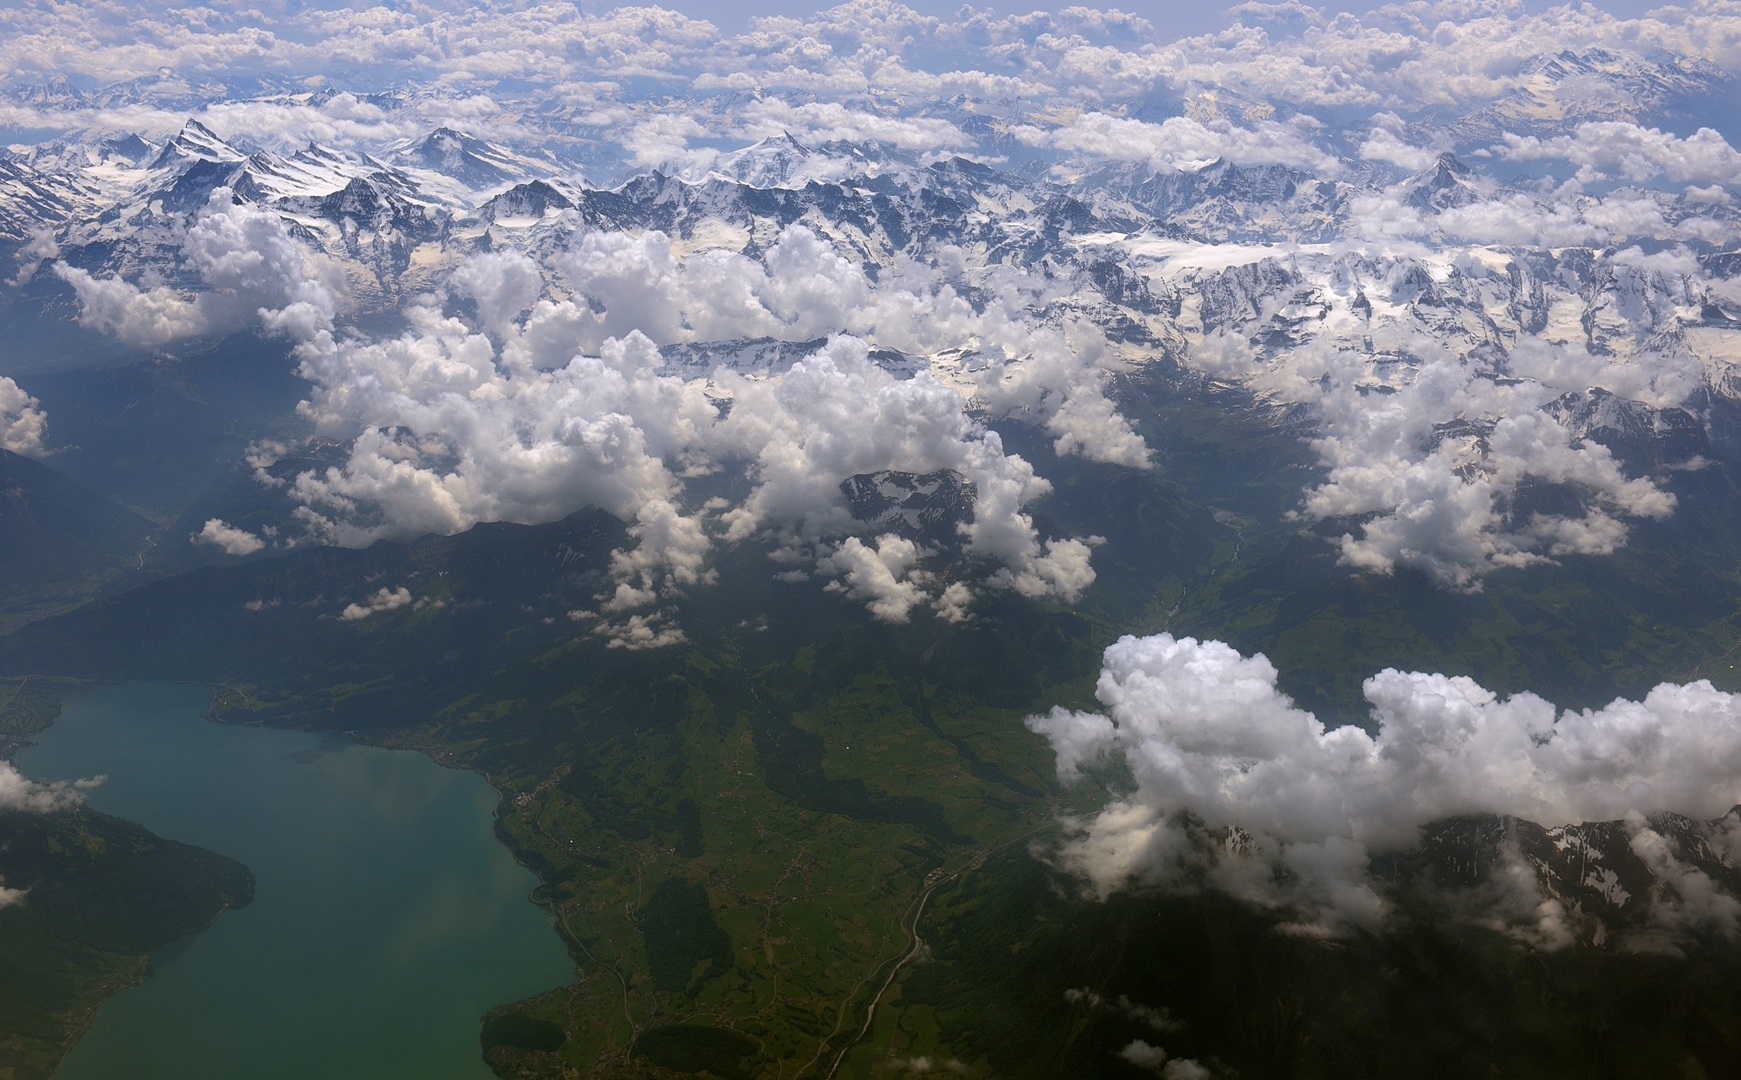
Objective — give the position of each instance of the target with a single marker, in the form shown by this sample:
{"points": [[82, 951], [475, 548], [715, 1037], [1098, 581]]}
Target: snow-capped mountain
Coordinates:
{"points": [[1302, 285], [1330, 259], [770, 431], [1568, 87], [32, 200], [929, 508]]}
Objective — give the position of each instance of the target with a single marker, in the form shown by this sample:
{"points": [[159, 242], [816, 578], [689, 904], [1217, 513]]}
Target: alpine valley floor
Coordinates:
{"points": [[809, 843]]}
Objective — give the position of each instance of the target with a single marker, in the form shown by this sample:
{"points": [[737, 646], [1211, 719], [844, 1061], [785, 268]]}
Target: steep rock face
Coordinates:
{"points": [[1634, 431], [1221, 200], [928, 508], [1238, 295], [32, 200], [783, 161], [1640, 884], [473, 162], [526, 204], [761, 355], [1165, 264], [1617, 324], [195, 142], [1444, 186], [1567, 87]]}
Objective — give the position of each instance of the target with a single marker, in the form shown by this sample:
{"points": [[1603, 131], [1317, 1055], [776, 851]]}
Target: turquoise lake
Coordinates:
{"points": [[386, 917]]}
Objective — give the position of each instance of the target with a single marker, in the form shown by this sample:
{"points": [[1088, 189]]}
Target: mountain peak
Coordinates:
{"points": [[783, 161], [466, 158], [1443, 185], [445, 136], [196, 142], [129, 146]]}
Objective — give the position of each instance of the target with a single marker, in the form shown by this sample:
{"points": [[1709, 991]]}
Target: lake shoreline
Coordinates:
{"points": [[102, 897], [368, 773], [79, 1020]]}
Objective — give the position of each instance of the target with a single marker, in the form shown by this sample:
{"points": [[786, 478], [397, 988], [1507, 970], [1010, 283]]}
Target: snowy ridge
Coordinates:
{"points": [[1499, 301]]}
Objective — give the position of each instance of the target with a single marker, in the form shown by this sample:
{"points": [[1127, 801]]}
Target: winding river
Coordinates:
{"points": [[386, 918]]}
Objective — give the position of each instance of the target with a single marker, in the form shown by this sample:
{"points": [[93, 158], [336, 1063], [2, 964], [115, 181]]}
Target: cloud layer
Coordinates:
{"points": [[1447, 387], [874, 70], [944, 224], [1436, 53], [551, 393]]}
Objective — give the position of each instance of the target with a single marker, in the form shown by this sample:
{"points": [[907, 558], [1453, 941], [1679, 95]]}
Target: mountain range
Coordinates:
{"points": [[1000, 546]]}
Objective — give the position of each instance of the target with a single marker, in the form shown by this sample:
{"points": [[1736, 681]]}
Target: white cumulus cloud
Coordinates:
{"points": [[233, 541], [22, 421], [18, 792], [1181, 142], [879, 575], [254, 270], [383, 599], [1603, 149], [1212, 743]]}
